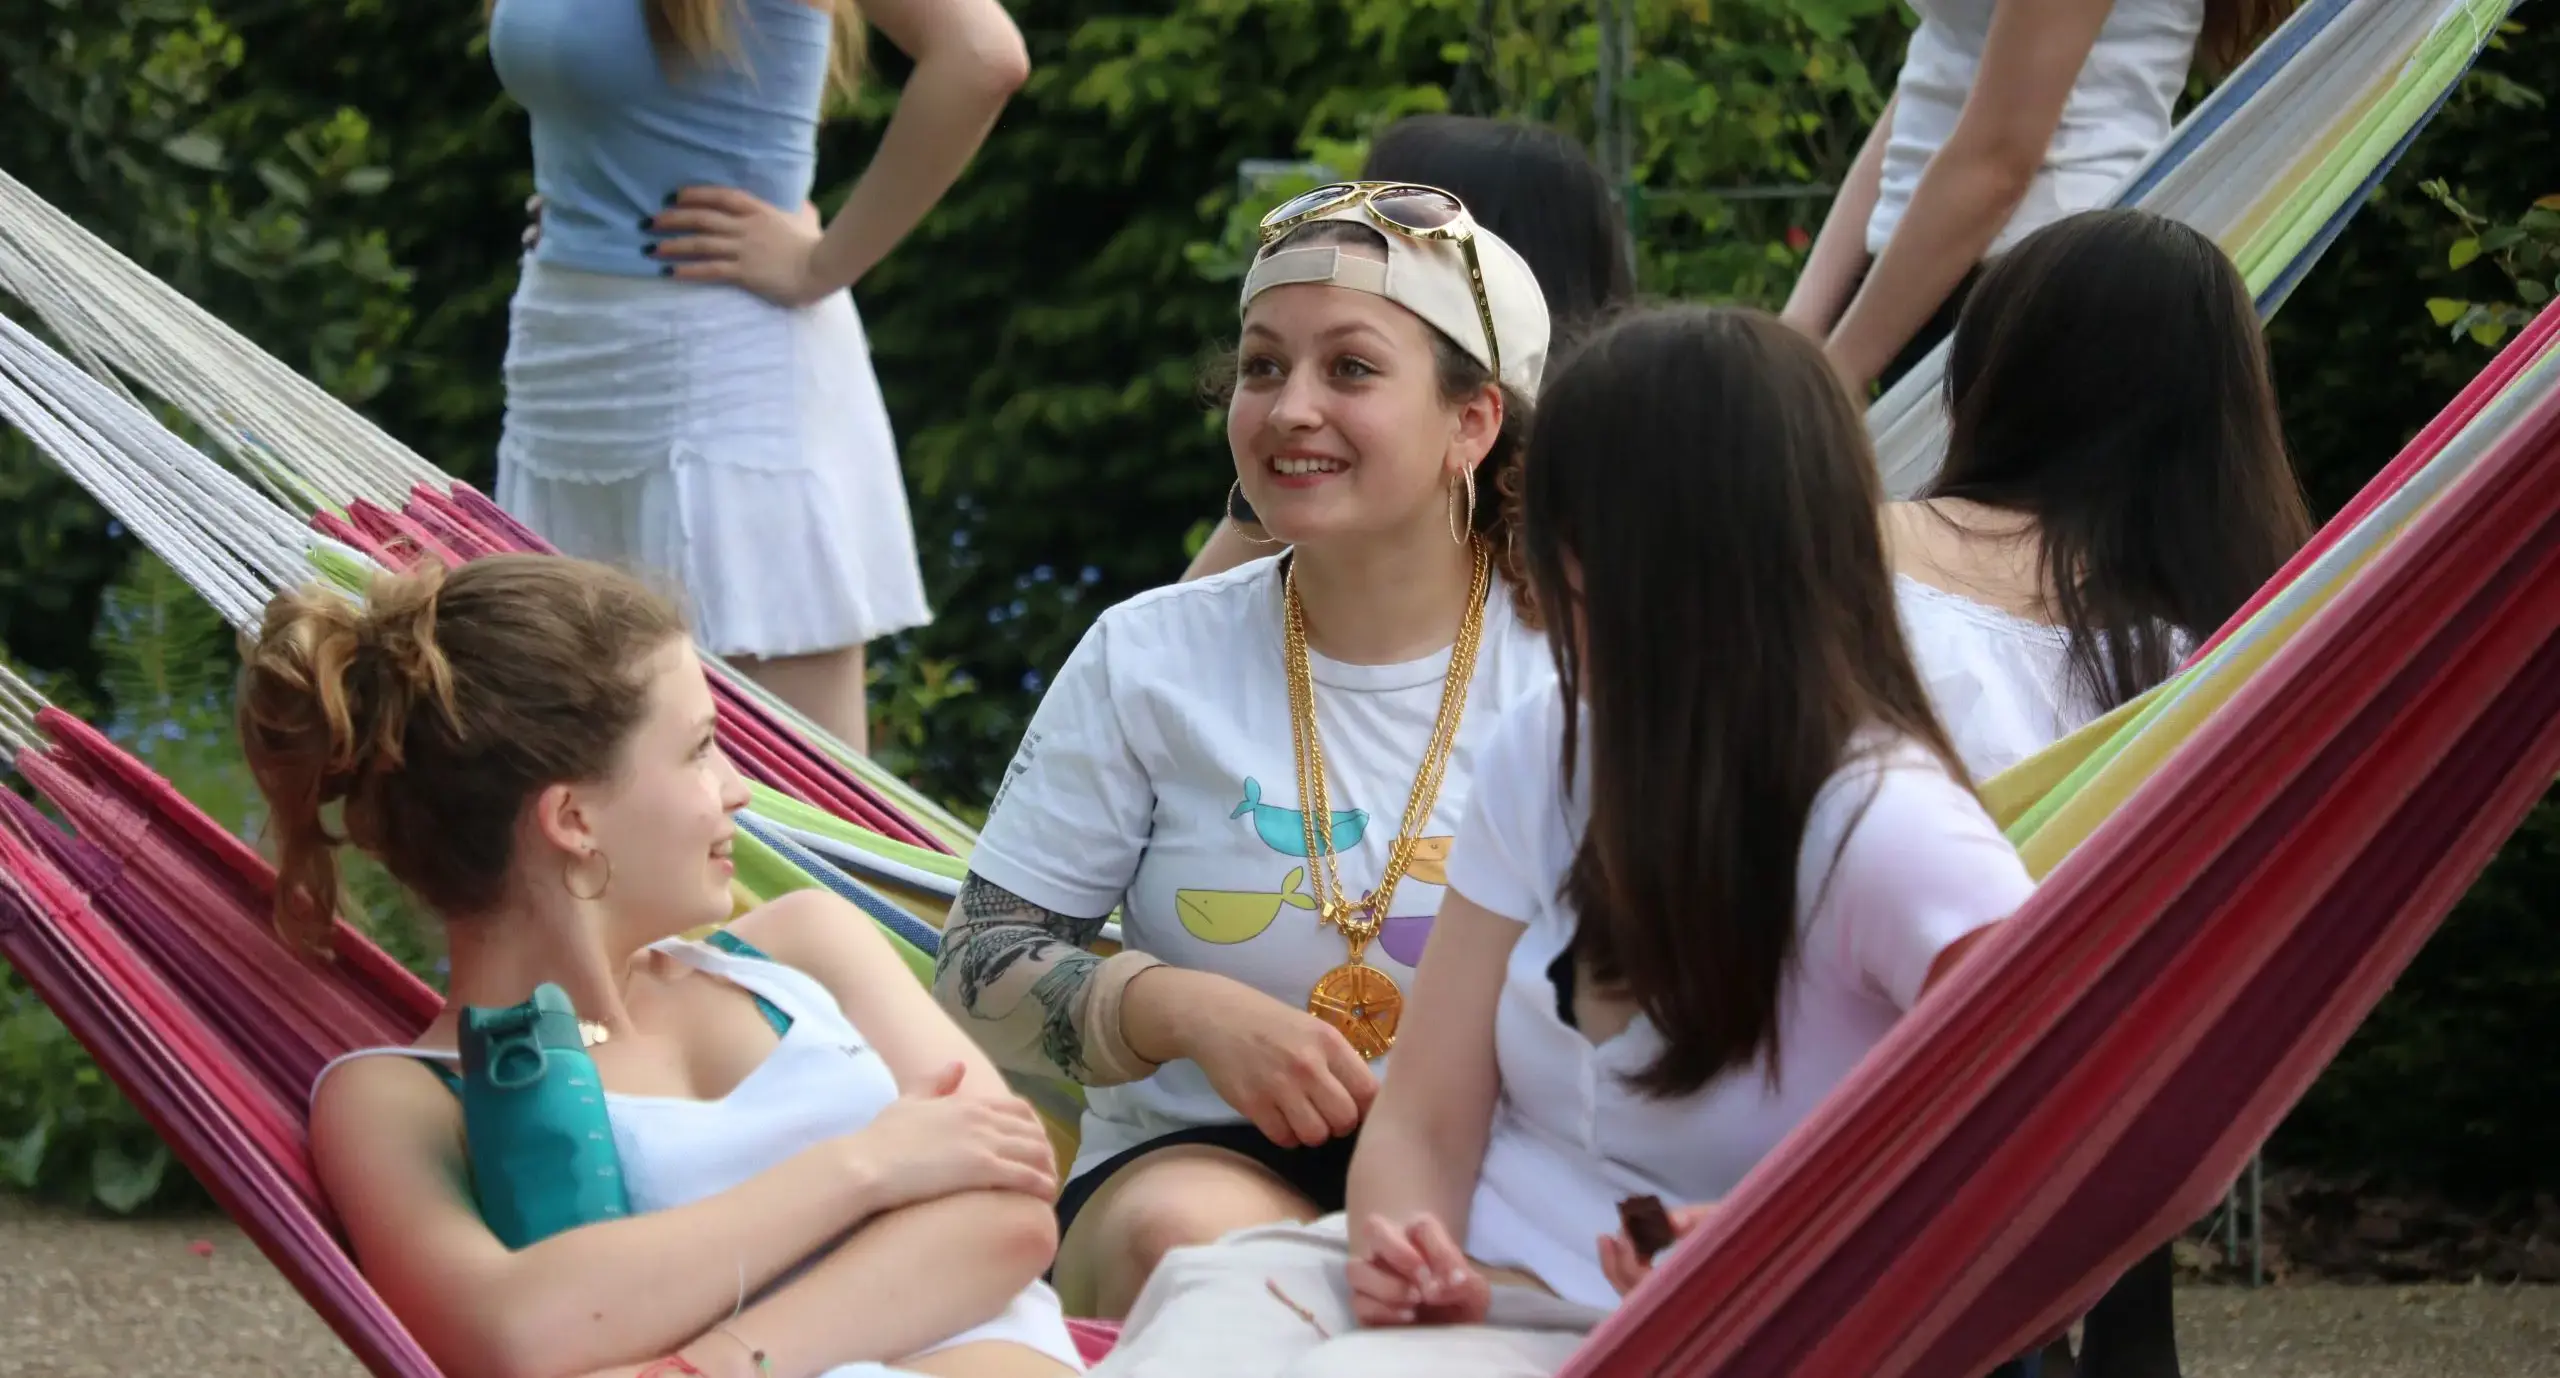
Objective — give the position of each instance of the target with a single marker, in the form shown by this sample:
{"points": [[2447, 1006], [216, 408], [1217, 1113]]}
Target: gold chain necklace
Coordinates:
{"points": [[1357, 999]]}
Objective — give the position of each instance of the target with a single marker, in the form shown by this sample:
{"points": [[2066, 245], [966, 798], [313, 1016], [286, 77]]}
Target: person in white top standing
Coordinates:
{"points": [[2007, 115], [2114, 416], [1687, 899], [1262, 770]]}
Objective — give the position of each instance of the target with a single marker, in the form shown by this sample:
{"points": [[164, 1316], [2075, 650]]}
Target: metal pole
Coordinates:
{"points": [[2257, 1217], [2231, 1224]]}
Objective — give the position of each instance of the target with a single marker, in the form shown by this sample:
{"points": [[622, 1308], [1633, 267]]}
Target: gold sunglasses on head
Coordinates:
{"points": [[1406, 208]]}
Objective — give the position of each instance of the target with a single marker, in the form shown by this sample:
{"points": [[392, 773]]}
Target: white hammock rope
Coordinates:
{"points": [[2328, 96], [19, 704], [211, 528], [267, 416], [127, 449], [109, 306]]}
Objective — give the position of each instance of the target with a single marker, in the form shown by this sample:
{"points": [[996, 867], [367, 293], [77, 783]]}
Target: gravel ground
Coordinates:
{"points": [[92, 1299]]}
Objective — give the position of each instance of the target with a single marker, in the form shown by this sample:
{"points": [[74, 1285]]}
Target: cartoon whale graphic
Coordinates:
{"points": [[1285, 830], [1235, 916], [1430, 863], [1402, 937]]}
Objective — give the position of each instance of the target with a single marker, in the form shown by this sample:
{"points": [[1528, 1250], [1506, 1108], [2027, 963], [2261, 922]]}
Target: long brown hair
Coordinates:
{"points": [[435, 711], [2108, 378], [1703, 475], [2233, 27], [685, 31]]}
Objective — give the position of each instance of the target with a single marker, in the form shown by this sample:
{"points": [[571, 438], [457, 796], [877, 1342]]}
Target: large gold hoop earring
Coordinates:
{"points": [[1461, 525], [569, 877], [1235, 491]]}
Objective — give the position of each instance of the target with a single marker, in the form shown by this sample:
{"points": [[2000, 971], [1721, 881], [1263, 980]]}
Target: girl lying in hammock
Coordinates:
{"points": [[1641, 980], [824, 1174]]}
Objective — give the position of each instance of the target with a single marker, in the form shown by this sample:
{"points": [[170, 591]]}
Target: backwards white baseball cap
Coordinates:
{"points": [[1458, 276]]}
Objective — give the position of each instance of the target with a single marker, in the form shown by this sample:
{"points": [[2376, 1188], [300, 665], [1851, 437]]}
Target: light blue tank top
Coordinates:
{"points": [[615, 134]]}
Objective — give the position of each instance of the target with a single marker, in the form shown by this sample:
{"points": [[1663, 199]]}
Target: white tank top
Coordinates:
{"points": [[2118, 112], [823, 1080]]}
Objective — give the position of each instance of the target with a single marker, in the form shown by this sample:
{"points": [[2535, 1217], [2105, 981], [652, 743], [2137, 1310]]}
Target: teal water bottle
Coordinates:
{"points": [[534, 1122]]}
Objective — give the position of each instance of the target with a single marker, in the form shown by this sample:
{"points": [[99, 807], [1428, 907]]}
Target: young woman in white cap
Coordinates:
{"points": [[1262, 770]]}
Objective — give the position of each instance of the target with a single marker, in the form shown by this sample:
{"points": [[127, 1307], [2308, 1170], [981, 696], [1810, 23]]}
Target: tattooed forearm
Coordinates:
{"points": [[997, 949]]}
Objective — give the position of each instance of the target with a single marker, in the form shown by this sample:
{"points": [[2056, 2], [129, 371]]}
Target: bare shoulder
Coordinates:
{"points": [[840, 948], [386, 1131], [818, 933], [1901, 524], [365, 1094]]}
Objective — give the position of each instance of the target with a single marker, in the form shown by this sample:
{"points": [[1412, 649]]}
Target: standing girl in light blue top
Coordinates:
{"points": [[689, 390]]}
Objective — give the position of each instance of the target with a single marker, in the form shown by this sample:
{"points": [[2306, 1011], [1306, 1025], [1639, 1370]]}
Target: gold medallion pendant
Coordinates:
{"points": [[1362, 1004]]}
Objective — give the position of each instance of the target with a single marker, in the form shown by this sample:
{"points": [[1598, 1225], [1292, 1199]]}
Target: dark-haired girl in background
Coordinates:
{"points": [[1686, 901], [2116, 488], [2005, 117], [1532, 185]]}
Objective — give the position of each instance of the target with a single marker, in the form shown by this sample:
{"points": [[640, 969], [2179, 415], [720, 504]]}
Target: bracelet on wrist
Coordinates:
{"points": [[763, 1363]]}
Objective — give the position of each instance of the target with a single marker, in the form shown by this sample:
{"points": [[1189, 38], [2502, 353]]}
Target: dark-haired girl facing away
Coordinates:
{"points": [[1705, 870], [2115, 489]]}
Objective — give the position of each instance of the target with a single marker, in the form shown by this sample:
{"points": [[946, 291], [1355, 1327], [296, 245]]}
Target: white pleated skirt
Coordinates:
{"points": [[705, 438]]}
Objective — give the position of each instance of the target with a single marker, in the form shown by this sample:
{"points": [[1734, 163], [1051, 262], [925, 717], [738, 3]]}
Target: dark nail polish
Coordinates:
{"points": [[671, 198], [648, 251], [666, 270], [648, 222]]}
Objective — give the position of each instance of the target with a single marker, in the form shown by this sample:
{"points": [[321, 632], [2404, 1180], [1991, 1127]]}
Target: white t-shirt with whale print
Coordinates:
{"points": [[1159, 776]]}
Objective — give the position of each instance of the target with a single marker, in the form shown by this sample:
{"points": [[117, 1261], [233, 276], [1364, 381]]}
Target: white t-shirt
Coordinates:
{"points": [[1922, 866], [1159, 775], [2119, 110]]}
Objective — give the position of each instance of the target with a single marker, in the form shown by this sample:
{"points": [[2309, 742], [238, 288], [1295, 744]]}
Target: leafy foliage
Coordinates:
{"points": [[66, 1132], [2527, 252]]}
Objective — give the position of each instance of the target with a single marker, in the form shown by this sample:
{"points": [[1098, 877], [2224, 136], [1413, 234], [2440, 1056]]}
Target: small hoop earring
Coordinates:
{"points": [[568, 877], [1235, 496]]}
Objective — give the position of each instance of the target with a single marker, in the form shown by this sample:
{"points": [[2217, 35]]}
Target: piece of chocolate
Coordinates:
{"points": [[1647, 1224]]}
